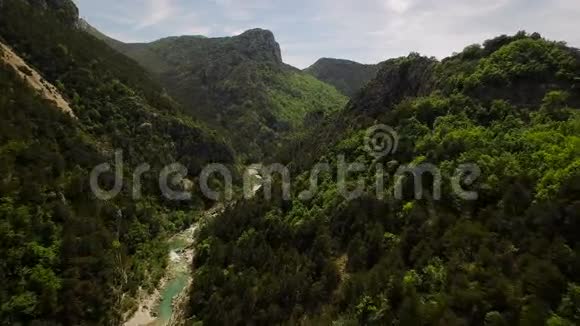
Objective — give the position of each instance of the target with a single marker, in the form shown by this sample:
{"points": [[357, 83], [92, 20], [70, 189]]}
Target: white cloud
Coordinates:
{"points": [[362, 30], [157, 11], [237, 31], [398, 6], [244, 10], [197, 30], [375, 30]]}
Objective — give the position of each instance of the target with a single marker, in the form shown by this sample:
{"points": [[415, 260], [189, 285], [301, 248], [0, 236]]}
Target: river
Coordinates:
{"points": [[157, 309]]}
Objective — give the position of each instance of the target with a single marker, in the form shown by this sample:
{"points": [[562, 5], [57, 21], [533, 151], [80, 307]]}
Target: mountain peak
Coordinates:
{"points": [[334, 61], [262, 42], [258, 32]]}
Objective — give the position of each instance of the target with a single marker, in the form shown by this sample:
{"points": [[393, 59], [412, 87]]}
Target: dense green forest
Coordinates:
{"points": [[512, 257], [68, 258]]}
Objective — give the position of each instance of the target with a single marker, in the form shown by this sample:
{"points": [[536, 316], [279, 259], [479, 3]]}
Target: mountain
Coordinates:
{"points": [[65, 10], [68, 104], [347, 76], [239, 85], [445, 192], [493, 243]]}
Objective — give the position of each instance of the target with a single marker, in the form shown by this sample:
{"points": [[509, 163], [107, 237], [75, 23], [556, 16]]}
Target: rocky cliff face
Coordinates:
{"points": [[397, 79], [260, 45], [256, 45], [34, 80]]}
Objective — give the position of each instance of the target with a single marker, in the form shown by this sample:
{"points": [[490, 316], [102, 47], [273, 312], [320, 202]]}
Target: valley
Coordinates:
{"points": [[158, 308], [415, 191], [167, 304], [238, 85]]}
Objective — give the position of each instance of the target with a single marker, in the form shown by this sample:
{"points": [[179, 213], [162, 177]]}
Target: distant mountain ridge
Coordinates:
{"points": [[237, 84], [347, 76]]}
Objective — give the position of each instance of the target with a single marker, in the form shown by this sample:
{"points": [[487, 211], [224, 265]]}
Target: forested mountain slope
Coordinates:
{"points": [[509, 256], [67, 257], [502, 251], [237, 84], [347, 76]]}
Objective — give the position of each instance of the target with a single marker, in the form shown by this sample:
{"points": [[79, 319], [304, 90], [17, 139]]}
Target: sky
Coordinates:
{"points": [[367, 31]]}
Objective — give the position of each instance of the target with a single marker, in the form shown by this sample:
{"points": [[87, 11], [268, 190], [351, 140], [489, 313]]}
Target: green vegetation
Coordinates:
{"points": [[348, 77], [68, 258], [510, 258], [238, 85], [295, 95]]}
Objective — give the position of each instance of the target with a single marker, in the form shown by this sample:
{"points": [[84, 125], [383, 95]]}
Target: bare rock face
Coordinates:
{"points": [[396, 80], [34, 79], [261, 45]]}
